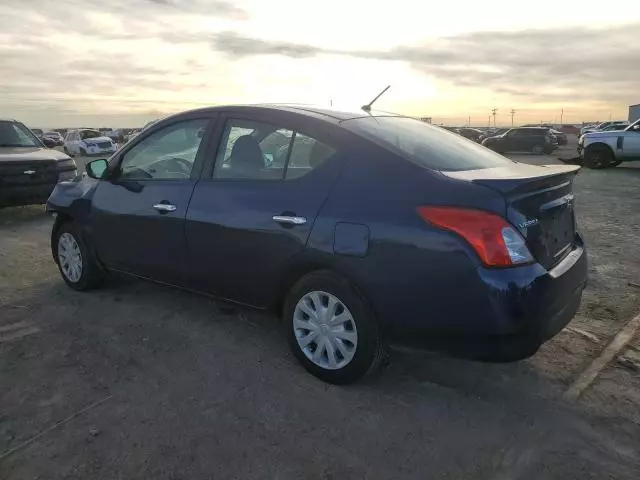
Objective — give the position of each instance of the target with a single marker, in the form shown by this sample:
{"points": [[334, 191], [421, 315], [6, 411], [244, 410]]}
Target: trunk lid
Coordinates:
{"points": [[539, 203]]}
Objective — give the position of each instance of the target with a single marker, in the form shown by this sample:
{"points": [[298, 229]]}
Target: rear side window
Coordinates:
{"points": [[261, 151], [431, 147]]}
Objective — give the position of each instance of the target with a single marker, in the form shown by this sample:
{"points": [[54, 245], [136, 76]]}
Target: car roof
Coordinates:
{"points": [[8, 120], [327, 114]]}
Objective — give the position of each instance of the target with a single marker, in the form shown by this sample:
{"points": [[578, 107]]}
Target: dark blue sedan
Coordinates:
{"points": [[361, 230]]}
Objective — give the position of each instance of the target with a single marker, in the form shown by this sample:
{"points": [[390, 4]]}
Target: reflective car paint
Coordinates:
{"points": [[422, 283]]}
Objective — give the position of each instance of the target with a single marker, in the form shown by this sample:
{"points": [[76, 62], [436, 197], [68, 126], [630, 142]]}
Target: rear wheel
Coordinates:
{"points": [[331, 329], [75, 260], [599, 156]]}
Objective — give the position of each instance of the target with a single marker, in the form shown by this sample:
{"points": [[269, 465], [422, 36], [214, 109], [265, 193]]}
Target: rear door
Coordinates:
{"points": [[255, 211], [138, 213]]}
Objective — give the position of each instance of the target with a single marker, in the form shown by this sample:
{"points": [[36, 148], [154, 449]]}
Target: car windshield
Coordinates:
{"points": [[14, 134], [84, 134], [424, 144]]}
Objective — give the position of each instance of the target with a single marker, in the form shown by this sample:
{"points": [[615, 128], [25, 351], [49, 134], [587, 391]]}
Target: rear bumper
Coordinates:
{"points": [[18, 195], [503, 314]]}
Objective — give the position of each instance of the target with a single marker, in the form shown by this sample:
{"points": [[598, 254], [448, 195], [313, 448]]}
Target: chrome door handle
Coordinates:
{"points": [[165, 207], [290, 220]]}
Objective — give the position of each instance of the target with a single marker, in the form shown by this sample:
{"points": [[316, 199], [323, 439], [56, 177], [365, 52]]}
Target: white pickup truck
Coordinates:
{"points": [[610, 148]]}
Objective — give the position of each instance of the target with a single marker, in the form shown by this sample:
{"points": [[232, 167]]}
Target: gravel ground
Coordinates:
{"points": [[192, 391]]}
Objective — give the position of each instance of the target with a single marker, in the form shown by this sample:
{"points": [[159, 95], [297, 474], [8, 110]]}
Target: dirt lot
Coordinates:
{"points": [[151, 382]]}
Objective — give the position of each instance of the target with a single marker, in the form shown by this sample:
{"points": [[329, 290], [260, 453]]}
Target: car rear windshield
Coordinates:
{"points": [[424, 144]]}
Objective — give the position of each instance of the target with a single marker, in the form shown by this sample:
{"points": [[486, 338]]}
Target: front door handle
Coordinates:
{"points": [[165, 207], [288, 220]]}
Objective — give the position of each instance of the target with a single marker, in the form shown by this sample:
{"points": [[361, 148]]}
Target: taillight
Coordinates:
{"points": [[495, 241]]}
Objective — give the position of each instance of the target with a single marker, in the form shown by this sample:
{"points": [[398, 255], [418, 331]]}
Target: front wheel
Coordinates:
{"points": [[83, 152], [331, 329], [598, 157], [75, 261]]}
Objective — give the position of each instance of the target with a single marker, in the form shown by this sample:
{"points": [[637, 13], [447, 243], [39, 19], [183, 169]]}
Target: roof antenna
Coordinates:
{"points": [[367, 107]]}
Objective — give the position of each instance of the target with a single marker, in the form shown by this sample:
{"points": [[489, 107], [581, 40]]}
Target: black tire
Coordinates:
{"points": [[371, 351], [83, 152], [615, 163], [92, 274], [598, 157], [538, 149]]}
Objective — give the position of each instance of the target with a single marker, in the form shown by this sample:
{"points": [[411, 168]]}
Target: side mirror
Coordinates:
{"points": [[97, 168]]}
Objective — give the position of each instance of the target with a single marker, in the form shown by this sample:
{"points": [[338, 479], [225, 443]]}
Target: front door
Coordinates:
{"points": [[254, 213], [631, 143], [138, 213], [516, 141]]}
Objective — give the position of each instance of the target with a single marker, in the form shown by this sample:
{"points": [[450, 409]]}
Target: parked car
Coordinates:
{"points": [[561, 137], [569, 129], [361, 230], [28, 170], [493, 132], [536, 140], [55, 137], [615, 127], [600, 126], [87, 142], [470, 133], [132, 134], [605, 149]]}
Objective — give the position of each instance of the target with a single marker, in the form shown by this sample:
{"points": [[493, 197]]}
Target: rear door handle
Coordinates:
{"points": [[165, 207], [287, 220]]}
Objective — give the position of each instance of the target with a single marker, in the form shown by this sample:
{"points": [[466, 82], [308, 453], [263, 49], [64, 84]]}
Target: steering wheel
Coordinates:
{"points": [[183, 166]]}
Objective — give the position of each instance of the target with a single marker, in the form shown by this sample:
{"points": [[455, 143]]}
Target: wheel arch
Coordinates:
{"points": [[61, 219], [599, 145], [303, 267]]}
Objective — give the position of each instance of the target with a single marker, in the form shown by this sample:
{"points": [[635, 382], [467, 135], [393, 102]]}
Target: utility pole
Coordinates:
{"points": [[493, 112], [561, 116], [469, 121], [512, 112]]}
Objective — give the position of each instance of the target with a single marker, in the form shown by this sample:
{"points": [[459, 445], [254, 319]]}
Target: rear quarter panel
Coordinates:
{"points": [[410, 273]]}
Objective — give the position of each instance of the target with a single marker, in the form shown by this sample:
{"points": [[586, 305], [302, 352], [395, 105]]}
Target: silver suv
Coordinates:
{"points": [[611, 148]]}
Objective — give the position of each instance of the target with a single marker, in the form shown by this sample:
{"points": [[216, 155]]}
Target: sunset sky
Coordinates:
{"points": [[124, 62]]}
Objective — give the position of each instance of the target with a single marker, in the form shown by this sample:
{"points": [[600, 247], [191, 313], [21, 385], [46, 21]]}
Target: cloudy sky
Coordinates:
{"points": [[123, 62]]}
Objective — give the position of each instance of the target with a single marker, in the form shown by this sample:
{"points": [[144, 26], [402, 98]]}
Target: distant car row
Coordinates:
{"points": [[528, 138], [605, 127]]}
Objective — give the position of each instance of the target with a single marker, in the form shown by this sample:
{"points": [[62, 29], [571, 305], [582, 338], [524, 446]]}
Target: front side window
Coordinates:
{"points": [[262, 151], [14, 134], [424, 144], [166, 154]]}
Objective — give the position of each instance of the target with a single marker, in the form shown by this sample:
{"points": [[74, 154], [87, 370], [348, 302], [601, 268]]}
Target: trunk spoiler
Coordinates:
{"points": [[519, 177]]}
